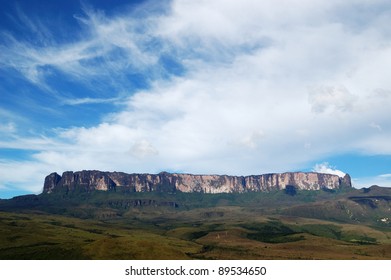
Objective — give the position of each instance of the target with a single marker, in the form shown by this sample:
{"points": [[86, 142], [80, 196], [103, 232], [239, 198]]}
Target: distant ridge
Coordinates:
{"points": [[90, 180]]}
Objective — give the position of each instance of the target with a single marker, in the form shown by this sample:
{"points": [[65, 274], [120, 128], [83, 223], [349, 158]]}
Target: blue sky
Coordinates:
{"points": [[223, 87]]}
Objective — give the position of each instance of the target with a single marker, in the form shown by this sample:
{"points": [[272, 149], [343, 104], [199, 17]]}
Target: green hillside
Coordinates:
{"points": [[348, 224]]}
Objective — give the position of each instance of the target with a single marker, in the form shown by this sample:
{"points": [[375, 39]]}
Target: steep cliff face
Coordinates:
{"points": [[83, 180], [171, 182], [51, 182]]}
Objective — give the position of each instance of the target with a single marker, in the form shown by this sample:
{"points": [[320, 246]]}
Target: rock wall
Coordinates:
{"points": [[172, 182]]}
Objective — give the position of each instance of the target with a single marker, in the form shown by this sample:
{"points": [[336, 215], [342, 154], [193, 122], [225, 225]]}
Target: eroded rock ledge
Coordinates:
{"points": [[89, 180]]}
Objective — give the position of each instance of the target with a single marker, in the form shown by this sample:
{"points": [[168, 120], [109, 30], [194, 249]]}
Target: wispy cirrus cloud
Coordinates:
{"points": [[107, 49], [88, 100]]}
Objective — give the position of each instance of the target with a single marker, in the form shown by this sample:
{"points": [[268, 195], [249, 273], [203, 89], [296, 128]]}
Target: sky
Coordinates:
{"points": [[205, 87]]}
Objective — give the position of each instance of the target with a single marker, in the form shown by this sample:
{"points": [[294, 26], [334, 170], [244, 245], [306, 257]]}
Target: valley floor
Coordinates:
{"points": [[226, 232]]}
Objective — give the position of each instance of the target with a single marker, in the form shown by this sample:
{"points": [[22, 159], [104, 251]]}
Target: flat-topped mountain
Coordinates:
{"points": [[96, 215], [89, 180]]}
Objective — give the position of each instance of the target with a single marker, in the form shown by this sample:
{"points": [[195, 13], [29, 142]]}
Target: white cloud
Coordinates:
{"points": [[142, 149], [27, 176], [87, 100], [7, 128], [375, 126], [266, 87], [252, 140], [339, 98], [325, 167]]}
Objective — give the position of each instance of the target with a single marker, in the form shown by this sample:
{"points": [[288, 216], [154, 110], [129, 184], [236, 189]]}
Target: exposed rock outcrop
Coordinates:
{"points": [[51, 182], [172, 182]]}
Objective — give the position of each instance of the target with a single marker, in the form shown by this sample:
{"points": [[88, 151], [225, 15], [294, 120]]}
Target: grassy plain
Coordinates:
{"points": [[310, 225], [194, 234]]}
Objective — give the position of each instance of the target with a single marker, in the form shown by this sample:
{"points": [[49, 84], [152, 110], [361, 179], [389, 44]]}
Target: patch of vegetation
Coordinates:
{"points": [[323, 230], [290, 190], [272, 232], [275, 231], [197, 234]]}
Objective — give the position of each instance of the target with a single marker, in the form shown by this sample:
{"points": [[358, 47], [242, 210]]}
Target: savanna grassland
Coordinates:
{"points": [[195, 226]]}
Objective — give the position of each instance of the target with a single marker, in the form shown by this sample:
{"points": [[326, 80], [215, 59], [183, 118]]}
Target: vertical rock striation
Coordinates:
{"points": [[51, 182], [172, 182]]}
